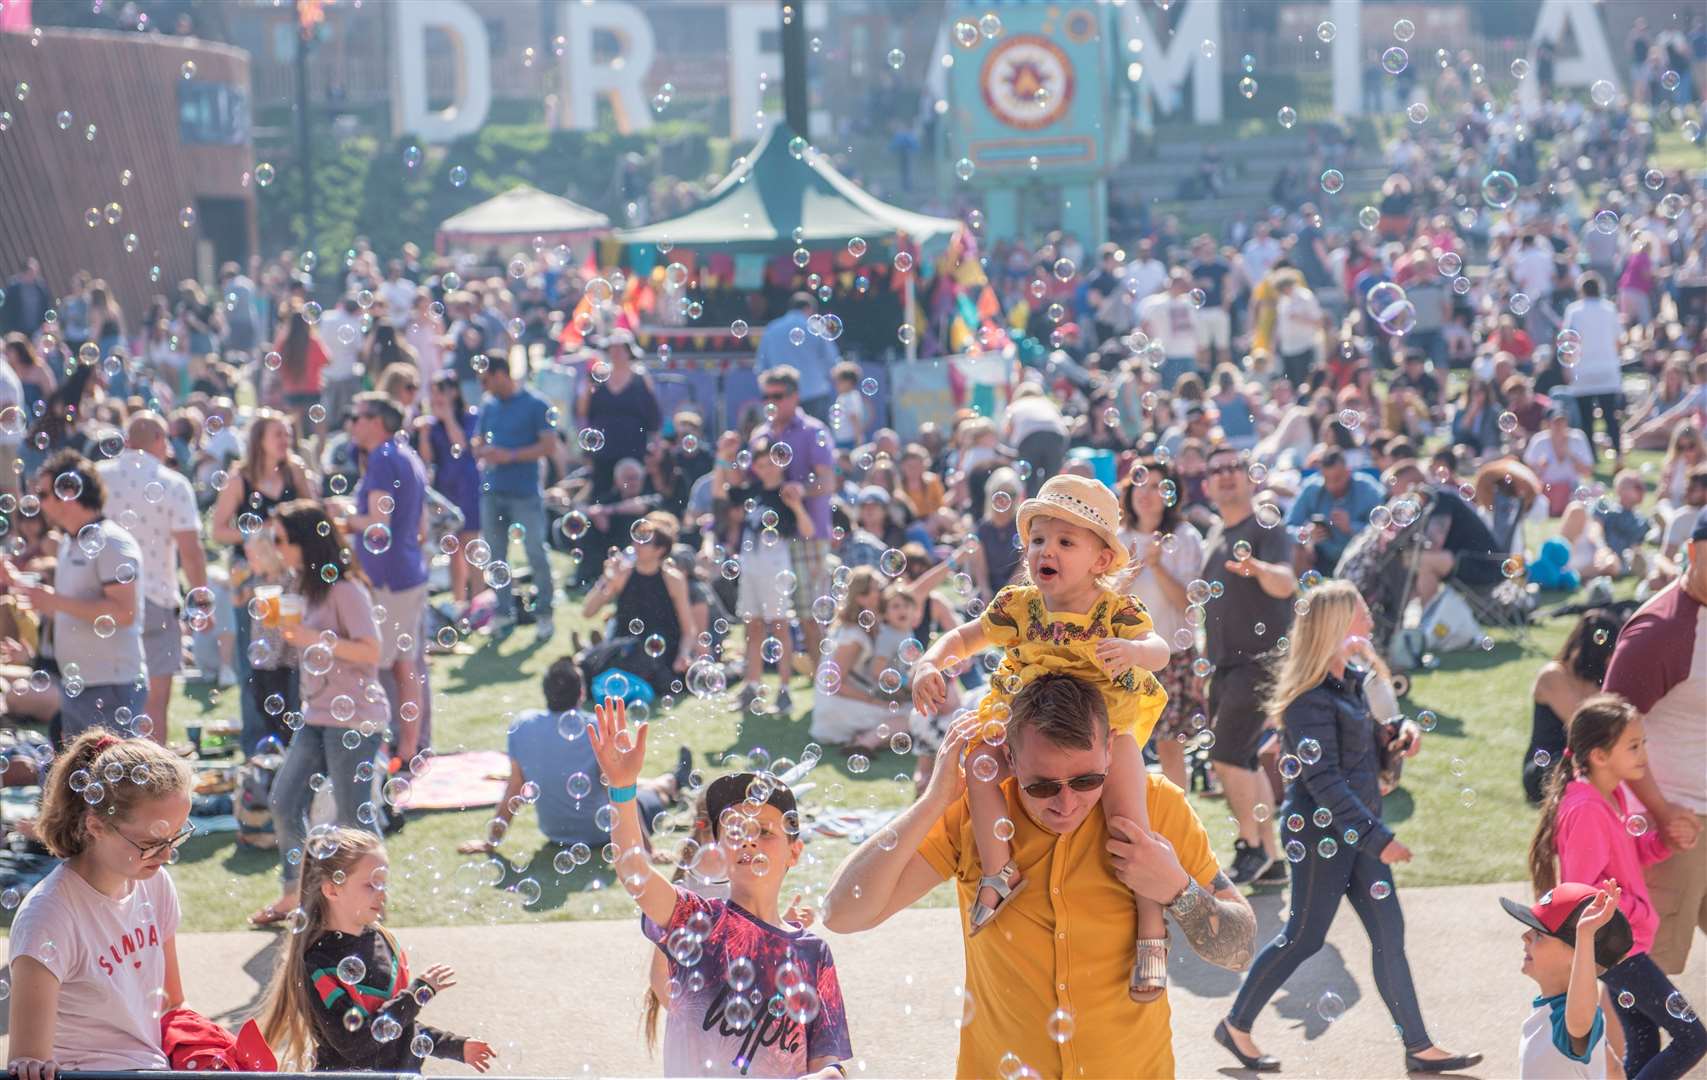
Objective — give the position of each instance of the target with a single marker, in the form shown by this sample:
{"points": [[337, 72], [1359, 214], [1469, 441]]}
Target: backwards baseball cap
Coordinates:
{"points": [[1556, 915], [752, 790]]}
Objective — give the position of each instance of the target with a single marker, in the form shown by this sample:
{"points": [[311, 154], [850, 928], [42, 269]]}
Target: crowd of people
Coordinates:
{"points": [[1171, 542]]}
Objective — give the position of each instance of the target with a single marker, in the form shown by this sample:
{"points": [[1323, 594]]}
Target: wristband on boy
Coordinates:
{"points": [[622, 794]]}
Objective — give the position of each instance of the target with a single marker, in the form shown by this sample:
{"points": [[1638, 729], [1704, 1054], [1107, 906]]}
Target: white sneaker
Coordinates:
{"points": [[544, 629], [227, 677]]}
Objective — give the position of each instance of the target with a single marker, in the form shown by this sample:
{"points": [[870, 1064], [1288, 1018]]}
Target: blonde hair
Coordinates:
{"points": [[864, 579], [111, 776], [286, 1016], [1316, 637]]}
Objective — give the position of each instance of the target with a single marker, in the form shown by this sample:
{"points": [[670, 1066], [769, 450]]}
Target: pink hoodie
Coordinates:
{"points": [[1594, 844]]}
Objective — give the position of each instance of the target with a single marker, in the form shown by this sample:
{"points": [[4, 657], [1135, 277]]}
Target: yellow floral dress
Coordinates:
{"points": [[1036, 641]]}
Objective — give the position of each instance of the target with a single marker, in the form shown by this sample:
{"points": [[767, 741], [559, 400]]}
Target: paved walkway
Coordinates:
{"points": [[563, 999]]}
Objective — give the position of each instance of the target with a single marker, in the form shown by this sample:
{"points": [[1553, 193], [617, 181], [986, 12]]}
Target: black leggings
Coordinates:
{"points": [[1649, 992], [1609, 405], [1317, 885]]}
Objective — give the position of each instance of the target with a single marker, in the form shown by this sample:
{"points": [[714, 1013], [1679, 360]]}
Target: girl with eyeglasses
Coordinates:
{"points": [[94, 959]]}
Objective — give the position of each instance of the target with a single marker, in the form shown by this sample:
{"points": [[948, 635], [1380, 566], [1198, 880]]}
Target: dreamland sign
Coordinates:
{"points": [[1161, 67]]}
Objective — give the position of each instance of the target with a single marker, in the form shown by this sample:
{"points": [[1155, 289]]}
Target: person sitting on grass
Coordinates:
{"points": [[550, 763], [750, 993], [1575, 932]]}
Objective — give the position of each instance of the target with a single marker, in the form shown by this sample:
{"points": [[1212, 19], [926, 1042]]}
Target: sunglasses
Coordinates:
{"points": [[777, 395], [1048, 789], [156, 847], [1223, 470]]}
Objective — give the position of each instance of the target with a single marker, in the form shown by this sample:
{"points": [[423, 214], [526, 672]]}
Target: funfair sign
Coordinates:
{"points": [[620, 79], [1161, 68]]}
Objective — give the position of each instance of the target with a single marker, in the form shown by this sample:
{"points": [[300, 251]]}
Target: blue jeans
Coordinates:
{"points": [[1175, 368], [499, 511], [319, 750], [97, 706], [1318, 884], [1647, 1015]]}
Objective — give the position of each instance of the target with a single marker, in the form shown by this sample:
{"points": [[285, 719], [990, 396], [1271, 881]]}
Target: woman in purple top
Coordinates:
{"points": [[452, 469], [344, 709], [1636, 285]]}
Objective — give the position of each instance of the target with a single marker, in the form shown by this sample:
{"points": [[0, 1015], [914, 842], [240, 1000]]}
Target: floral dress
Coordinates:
{"points": [[1036, 641]]}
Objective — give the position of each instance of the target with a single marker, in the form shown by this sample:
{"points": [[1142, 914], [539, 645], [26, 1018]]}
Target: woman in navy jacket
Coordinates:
{"points": [[1335, 838]]}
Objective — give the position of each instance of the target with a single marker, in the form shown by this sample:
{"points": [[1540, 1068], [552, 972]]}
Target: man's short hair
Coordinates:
{"points": [[382, 406], [1590, 285], [802, 301], [784, 375], [848, 370], [498, 364], [1066, 711], [1332, 458], [563, 685], [91, 492]]}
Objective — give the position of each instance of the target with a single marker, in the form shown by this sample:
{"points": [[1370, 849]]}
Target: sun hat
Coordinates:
{"points": [[1556, 914], [1080, 501]]}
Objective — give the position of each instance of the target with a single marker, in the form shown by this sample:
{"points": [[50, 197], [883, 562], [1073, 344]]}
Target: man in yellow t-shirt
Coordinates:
{"points": [[1048, 980]]}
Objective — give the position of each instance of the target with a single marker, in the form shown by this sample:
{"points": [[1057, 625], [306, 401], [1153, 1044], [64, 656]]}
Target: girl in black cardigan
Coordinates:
{"points": [[341, 997]]}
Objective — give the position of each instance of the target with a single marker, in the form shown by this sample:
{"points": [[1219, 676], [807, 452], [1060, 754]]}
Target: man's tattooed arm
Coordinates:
{"points": [[1218, 923]]}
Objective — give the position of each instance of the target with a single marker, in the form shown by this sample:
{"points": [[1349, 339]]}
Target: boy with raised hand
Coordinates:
{"points": [[750, 994], [1575, 932]]}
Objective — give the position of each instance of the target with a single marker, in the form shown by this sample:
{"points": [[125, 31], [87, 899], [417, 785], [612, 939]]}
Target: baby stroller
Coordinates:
{"points": [[1383, 564]]}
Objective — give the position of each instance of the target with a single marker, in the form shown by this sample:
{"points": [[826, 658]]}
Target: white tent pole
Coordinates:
{"points": [[912, 307]]}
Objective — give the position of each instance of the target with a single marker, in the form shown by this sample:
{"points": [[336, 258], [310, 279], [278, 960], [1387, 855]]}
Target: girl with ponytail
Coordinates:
{"points": [[94, 959], [341, 997], [1589, 833]]}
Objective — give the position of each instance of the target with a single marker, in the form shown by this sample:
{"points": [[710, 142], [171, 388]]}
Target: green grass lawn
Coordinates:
{"points": [[1481, 699]]}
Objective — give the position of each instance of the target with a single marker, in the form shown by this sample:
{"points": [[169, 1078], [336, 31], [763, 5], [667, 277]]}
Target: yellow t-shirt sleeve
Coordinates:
{"points": [[1000, 621], [943, 846], [1172, 816]]}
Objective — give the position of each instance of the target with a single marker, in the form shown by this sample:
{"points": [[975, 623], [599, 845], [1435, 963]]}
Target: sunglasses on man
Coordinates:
{"points": [[778, 395], [1223, 470], [1048, 789]]}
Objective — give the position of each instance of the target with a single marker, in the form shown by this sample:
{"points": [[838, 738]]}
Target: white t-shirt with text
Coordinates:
{"points": [[110, 959]]}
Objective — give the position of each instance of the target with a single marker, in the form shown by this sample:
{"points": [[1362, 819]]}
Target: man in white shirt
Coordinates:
{"points": [[342, 332], [1260, 252], [1595, 380], [156, 504], [1170, 318], [398, 293], [1532, 267], [1145, 275]]}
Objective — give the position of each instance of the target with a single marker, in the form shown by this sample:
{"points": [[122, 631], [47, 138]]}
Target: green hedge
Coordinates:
{"points": [[363, 186]]}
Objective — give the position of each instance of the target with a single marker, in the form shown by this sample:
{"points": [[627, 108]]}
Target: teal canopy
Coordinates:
{"points": [[772, 192]]}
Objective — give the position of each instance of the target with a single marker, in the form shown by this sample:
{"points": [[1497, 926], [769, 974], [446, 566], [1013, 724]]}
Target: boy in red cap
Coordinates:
{"points": [[1575, 932]]}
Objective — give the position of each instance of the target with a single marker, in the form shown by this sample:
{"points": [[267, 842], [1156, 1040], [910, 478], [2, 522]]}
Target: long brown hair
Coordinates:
{"points": [[326, 555], [1598, 724], [1157, 471], [286, 1010], [64, 822], [255, 455], [298, 337]]}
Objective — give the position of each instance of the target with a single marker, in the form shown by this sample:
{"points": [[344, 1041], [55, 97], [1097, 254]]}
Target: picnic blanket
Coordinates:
{"points": [[460, 781]]}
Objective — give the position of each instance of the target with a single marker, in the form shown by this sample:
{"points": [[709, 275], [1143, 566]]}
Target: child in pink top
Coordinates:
{"points": [[1587, 824]]}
